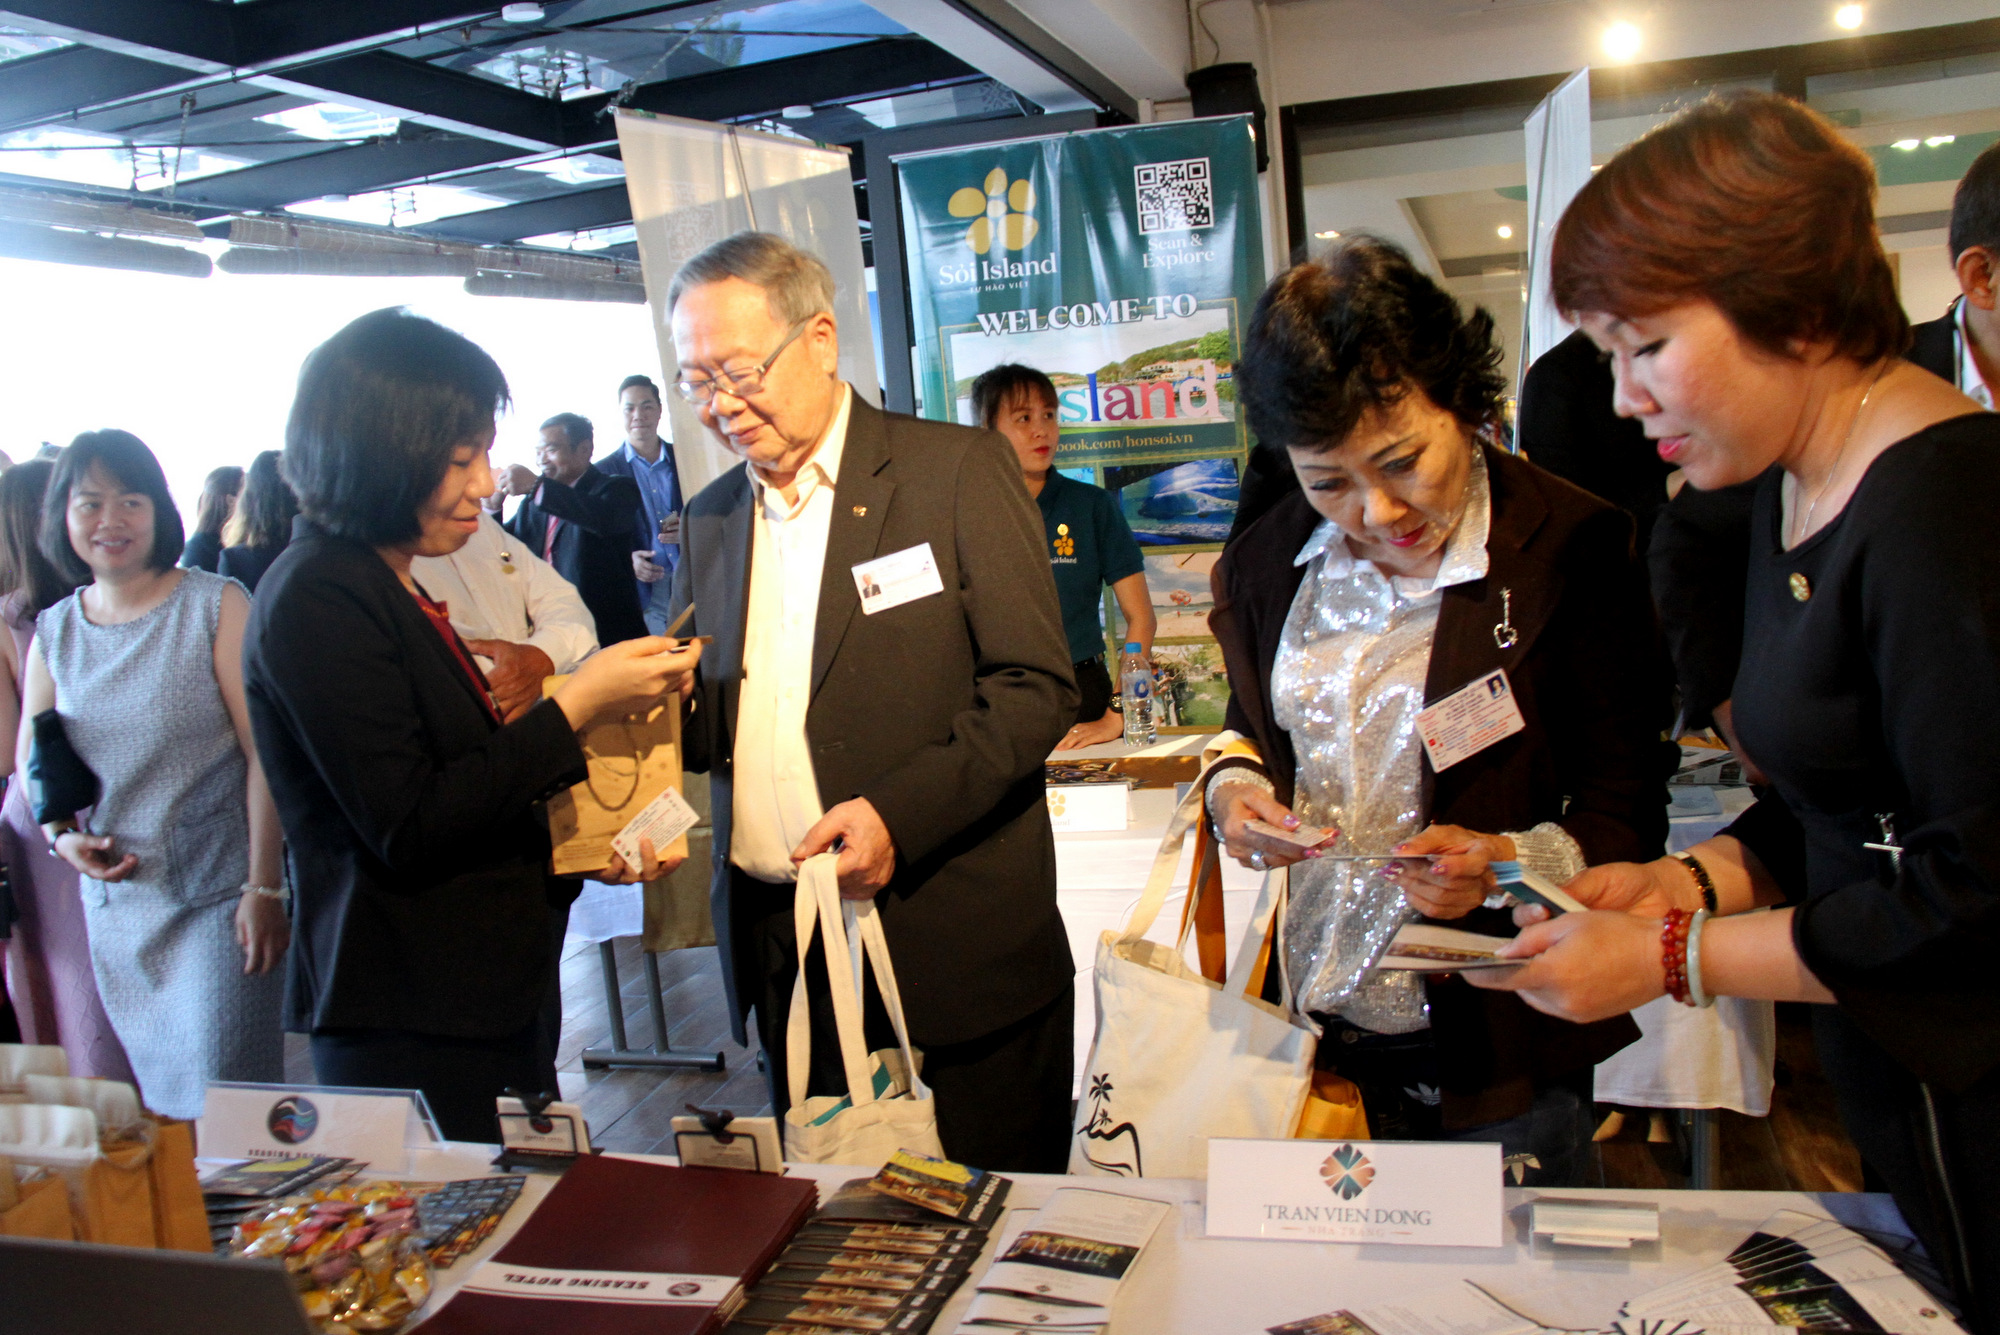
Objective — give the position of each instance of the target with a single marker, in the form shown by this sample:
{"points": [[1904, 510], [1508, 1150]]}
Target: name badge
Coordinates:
{"points": [[377, 1126], [1412, 1193], [1469, 720], [898, 578]]}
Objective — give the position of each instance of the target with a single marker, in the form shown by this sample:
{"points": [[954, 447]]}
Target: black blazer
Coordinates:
{"points": [[246, 564], [593, 546], [1934, 345], [417, 846], [1569, 427], [940, 712], [1585, 672]]}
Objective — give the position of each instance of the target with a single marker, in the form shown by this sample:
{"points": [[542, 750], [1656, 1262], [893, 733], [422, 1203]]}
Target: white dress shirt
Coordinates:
{"points": [[494, 588], [776, 791], [1970, 381]]}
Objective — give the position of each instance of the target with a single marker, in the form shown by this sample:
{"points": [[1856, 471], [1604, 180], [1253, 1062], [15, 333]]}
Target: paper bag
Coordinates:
{"points": [[631, 762], [110, 1185], [40, 1206], [180, 1216]]}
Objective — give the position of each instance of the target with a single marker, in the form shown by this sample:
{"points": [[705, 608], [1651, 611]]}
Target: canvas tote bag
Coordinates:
{"points": [[887, 1106], [1178, 1058]]}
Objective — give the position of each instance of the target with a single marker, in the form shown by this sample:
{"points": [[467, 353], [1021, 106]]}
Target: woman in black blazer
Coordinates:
{"points": [[261, 528], [419, 854], [1417, 560]]}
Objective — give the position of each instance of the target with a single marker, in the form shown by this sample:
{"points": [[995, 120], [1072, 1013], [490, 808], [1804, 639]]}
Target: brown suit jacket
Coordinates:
{"points": [[1585, 670]]}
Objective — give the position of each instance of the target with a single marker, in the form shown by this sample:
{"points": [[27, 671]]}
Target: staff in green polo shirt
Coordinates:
{"points": [[1090, 545]]}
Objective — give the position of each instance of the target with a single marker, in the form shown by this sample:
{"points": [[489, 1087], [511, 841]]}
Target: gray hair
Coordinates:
{"points": [[796, 284]]}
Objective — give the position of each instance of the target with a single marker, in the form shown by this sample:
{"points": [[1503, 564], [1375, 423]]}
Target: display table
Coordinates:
{"points": [[1187, 1282]]}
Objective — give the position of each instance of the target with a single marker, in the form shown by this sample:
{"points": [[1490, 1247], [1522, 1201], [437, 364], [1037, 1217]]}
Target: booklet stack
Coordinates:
{"points": [[1796, 1274], [885, 1253], [1795, 1270], [1062, 1271]]}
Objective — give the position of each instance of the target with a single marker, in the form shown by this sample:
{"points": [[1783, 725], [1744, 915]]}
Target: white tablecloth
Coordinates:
{"points": [[1190, 1283]]}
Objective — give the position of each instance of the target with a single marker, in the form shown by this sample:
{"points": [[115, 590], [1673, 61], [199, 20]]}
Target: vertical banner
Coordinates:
{"points": [[1122, 263], [691, 184], [1558, 144]]}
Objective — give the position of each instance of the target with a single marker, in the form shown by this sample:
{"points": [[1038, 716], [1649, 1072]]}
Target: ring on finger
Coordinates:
{"points": [[1259, 861]]}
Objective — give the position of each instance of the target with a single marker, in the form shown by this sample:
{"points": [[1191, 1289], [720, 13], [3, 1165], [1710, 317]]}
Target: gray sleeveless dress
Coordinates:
{"points": [[141, 706]]}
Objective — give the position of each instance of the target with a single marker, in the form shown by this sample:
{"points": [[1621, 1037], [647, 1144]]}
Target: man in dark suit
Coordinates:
{"points": [[1963, 345], [579, 520], [908, 734]]}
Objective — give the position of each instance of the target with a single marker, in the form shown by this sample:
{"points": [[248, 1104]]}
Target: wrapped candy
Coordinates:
{"points": [[353, 1252]]}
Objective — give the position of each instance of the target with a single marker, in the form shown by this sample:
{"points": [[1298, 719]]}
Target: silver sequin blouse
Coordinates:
{"points": [[1347, 685]]}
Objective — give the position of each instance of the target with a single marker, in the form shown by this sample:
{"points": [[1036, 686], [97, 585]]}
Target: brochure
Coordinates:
{"points": [[1077, 1248]]}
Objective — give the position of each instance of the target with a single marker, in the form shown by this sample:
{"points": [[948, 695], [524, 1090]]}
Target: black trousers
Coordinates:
{"points": [[460, 1077], [1002, 1099], [1937, 1151]]}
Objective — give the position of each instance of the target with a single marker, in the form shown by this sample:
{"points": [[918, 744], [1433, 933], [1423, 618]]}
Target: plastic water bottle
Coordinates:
{"points": [[1135, 691]]}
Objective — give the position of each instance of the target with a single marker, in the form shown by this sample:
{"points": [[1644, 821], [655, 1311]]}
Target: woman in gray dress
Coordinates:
{"points": [[180, 857]]}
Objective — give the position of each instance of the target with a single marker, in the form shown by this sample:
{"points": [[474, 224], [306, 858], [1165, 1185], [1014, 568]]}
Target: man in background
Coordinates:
{"points": [[1963, 345], [649, 462], [579, 520], [521, 619]]}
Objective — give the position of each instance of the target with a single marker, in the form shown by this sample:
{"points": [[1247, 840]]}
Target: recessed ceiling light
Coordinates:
{"points": [[1326, 236], [520, 13], [1506, 232], [1940, 140], [1622, 41], [1907, 145], [798, 111], [1849, 16]]}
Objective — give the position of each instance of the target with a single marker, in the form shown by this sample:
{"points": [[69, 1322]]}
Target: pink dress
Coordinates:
{"points": [[49, 976]]}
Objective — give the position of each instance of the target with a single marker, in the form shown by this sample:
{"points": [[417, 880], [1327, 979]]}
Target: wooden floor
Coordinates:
{"points": [[1799, 1147]]}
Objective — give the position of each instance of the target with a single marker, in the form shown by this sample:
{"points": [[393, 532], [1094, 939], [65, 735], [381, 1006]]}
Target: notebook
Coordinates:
{"points": [[620, 1248]]}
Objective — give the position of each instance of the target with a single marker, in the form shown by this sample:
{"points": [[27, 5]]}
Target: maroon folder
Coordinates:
{"points": [[622, 1247]]}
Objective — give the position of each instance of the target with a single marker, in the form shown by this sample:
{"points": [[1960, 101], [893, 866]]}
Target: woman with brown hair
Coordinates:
{"points": [[212, 514], [1729, 266], [49, 976], [261, 528]]}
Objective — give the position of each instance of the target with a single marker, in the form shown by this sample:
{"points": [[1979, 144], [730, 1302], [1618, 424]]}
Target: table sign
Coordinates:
{"points": [[1426, 1194], [376, 1126], [1079, 808]]}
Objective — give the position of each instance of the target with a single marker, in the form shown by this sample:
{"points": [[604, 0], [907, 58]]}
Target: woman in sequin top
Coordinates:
{"points": [[1418, 560]]}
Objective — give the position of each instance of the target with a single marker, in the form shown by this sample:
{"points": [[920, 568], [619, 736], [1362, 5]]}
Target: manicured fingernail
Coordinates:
{"points": [[1291, 822], [1399, 848], [1437, 869], [1312, 853]]}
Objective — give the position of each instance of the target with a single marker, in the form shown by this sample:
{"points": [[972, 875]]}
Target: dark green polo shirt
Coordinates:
{"points": [[1090, 546]]}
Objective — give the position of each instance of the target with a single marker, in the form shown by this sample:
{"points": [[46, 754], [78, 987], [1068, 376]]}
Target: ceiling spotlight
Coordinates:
{"points": [[1907, 145], [1328, 235], [1506, 232], [1849, 17], [1940, 140], [798, 111], [520, 13], [1622, 41]]}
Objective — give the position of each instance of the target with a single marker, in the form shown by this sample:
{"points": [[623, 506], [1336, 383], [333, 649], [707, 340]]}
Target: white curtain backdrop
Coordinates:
{"points": [[692, 183], [1558, 135]]}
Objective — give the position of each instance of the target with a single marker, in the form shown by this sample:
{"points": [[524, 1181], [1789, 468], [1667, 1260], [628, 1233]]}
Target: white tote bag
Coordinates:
{"points": [[886, 1107], [1178, 1058]]}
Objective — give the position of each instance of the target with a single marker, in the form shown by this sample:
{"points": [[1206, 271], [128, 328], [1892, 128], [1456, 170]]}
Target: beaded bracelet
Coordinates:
{"points": [[1702, 879], [1674, 953]]}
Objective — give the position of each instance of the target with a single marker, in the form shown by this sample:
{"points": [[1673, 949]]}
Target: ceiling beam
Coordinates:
{"points": [[839, 74], [190, 35], [428, 94], [48, 85], [605, 206], [340, 171], [280, 30]]}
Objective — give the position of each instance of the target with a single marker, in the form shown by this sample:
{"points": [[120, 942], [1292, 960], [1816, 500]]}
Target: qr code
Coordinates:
{"points": [[1175, 196]]}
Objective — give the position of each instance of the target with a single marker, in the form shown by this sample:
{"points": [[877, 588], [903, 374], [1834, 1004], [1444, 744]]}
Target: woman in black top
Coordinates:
{"points": [[262, 524], [218, 502], [1728, 264], [424, 910]]}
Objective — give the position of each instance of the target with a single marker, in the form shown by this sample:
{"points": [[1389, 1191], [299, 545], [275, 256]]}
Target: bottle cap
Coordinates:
{"points": [[1131, 646]]}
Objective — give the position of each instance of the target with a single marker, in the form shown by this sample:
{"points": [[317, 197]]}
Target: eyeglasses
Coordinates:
{"points": [[738, 384]]}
